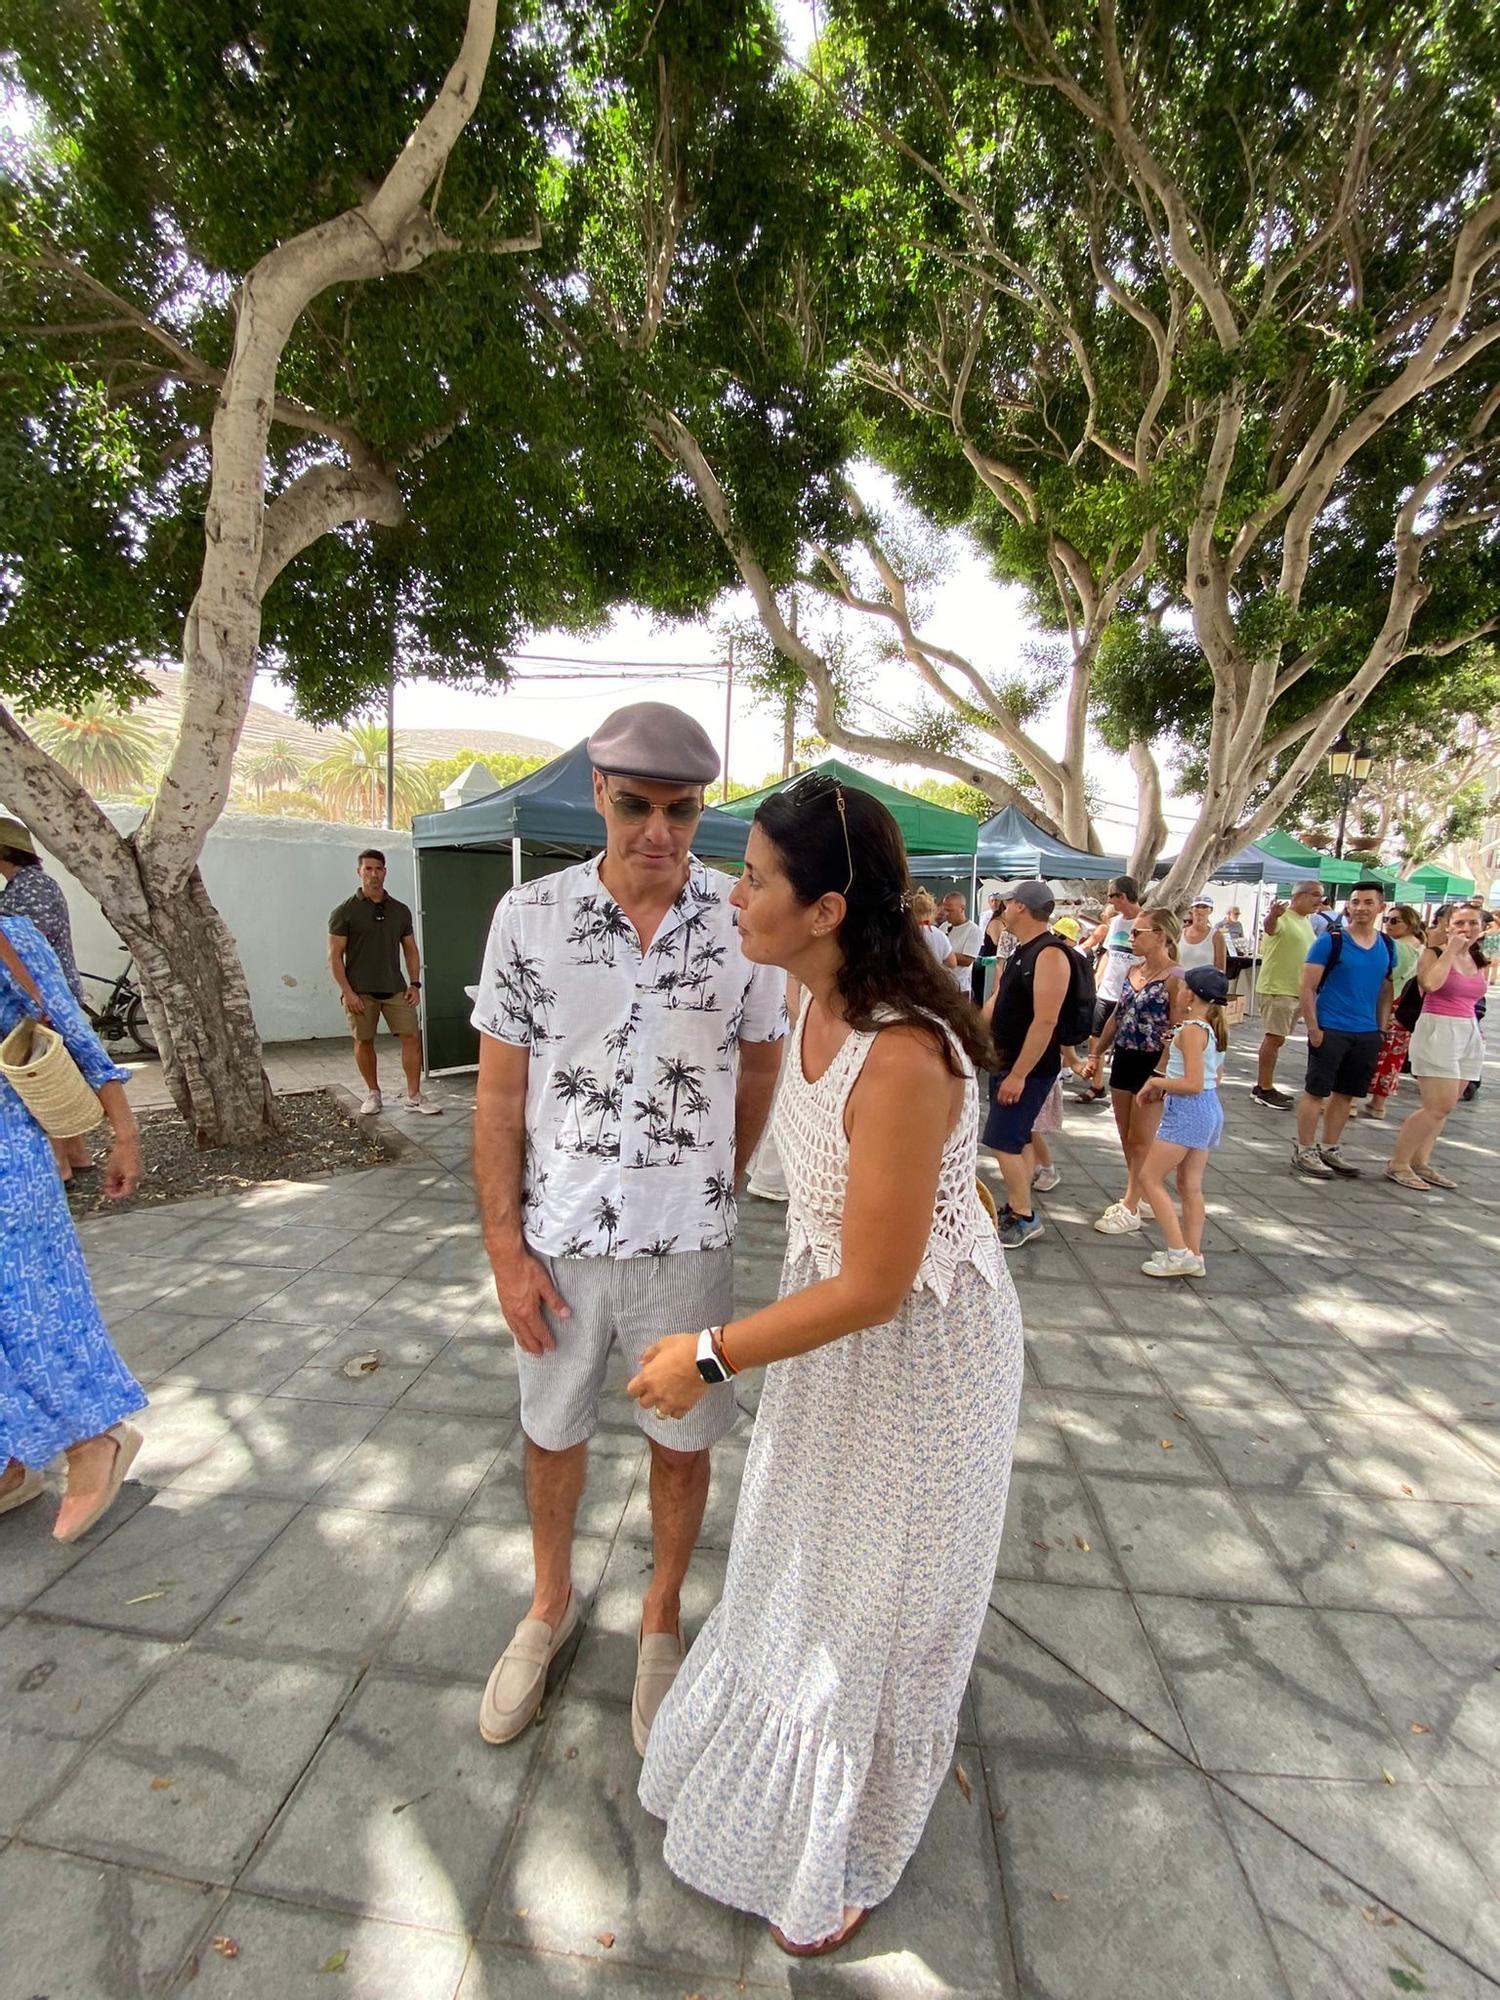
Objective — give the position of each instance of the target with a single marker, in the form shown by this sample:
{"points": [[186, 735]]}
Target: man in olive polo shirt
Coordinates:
{"points": [[368, 937]]}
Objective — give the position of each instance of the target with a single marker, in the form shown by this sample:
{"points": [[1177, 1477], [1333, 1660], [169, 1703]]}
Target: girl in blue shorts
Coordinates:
{"points": [[1192, 1122]]}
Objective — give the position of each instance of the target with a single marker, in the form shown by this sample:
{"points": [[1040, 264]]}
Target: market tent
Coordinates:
{"points": [[1438, 884], [925, 828], [1011, 845], [1252, 864], [467, 858]]}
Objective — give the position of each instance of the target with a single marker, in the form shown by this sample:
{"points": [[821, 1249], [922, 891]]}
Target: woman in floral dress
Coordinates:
{"points": [[799, 1752], [63, 1388]]}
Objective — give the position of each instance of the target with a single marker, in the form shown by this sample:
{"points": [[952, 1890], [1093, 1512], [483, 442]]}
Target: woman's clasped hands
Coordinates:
{"points": [[668, 1381]]}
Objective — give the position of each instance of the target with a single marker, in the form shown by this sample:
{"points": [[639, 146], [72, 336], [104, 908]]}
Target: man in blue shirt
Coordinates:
{"points": [[1347, 991]]}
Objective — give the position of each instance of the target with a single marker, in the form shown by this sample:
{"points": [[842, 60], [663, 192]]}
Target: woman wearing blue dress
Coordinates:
{"points": [[62, 1385]]}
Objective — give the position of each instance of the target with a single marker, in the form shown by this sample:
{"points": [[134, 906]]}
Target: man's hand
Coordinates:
{"points": [[1009, 1088], [524, 1289], [1314, 1035], [1278, 909], [412, 996], [353, 1004]]}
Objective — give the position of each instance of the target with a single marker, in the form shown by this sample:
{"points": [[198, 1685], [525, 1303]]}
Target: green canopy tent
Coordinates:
{"points": [[1437, 884], [925, 828]]}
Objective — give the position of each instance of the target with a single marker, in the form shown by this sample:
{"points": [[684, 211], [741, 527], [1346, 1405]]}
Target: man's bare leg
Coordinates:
{"points": [[679, 1494], [411, 1064], [554, 1486], [364, 1062], [1265, 1061]]}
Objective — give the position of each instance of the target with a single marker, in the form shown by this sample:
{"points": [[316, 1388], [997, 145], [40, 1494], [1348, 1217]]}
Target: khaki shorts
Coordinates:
{"points": [[1279, 1012], [400, 1017]]}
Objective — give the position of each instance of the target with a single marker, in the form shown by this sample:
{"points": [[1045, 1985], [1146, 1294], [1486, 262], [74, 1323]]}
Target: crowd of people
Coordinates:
{"points": [[795, 1751]]}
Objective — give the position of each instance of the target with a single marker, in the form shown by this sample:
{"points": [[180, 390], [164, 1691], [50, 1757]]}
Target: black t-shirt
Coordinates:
{"points": [[1014, 1006], [372, 951]]}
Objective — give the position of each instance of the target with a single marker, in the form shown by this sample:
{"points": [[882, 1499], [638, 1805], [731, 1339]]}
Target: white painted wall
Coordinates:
{"points": [[274, 881]]}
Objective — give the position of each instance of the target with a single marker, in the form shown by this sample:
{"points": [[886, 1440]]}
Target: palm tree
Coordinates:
{"points": [[607, 1215], [572, 1086], [276, 768], [352, 776], [607, 1104], [720, 1191], [676, 1074], [111, 754]]}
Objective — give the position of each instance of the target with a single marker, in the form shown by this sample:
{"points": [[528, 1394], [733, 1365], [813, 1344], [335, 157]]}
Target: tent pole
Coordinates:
{"points": [[974, 890], [515, 860], [1253, 1009], [728, 712]]}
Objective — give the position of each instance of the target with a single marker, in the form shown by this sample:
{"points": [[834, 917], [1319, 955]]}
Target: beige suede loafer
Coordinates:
{"points": [[514, 1691], [29, 1487], [658, 1655]]}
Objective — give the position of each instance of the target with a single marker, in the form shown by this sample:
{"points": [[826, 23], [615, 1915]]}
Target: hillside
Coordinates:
{"points": [[265, 725]]}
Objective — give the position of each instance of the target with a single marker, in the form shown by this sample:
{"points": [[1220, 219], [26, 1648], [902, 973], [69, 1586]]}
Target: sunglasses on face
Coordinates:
{"points": [[636, 811], [818, 785]]}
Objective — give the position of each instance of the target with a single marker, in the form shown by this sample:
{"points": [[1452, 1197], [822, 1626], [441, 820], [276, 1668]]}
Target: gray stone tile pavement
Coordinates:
{"points": [[1234, 1727]]}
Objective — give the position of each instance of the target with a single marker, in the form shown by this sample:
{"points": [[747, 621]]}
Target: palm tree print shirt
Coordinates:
{"points": [[630, 1098]]}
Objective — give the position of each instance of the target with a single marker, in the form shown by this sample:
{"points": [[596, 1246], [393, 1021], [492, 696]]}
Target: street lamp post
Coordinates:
{"points": [[1353, 766]]}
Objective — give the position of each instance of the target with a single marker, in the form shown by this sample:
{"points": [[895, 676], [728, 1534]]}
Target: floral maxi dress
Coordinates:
{"points": [[61, 1380], [799, 1752]]}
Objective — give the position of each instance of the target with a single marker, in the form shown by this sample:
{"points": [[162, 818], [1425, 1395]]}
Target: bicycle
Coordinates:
{"points": [[123, 1015]]}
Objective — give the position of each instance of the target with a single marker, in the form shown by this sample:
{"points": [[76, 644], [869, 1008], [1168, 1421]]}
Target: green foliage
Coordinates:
{"points": [[113, 755]]}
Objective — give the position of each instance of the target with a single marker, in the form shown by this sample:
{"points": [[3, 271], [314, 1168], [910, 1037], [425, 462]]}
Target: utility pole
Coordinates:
{"points": [[728, 713]]}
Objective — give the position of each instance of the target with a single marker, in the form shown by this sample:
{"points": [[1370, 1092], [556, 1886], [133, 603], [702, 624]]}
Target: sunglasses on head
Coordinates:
{"points": [[818, 785], [633, 808]]}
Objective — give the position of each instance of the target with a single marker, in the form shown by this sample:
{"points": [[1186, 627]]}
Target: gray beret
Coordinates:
{"points": [[651, 739]]}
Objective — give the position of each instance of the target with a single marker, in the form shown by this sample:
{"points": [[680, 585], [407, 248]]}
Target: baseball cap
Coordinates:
{"points": [[1208, 983], [1032, 895], [1203, 902]]}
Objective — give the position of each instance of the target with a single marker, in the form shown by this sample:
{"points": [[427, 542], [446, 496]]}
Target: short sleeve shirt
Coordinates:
{"points": [[1118, 952], [1283, 953], [630, 1093], [31, 892], [1349, 996], [372, 953], [967, 939]]}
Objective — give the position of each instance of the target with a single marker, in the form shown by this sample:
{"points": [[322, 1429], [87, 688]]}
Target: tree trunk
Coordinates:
{"points": [[198, 1002], [1150, 822]]}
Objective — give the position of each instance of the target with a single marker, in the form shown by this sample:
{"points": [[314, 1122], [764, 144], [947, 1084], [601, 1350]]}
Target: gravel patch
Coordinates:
{"points": [[319, 1136]]}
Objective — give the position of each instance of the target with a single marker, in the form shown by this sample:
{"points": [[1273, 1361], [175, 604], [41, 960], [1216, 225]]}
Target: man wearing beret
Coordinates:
{"points": [[628, 1055]]}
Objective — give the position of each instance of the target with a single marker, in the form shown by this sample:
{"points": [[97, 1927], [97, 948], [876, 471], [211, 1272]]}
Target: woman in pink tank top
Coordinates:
{"points": [[1447, 1047]]}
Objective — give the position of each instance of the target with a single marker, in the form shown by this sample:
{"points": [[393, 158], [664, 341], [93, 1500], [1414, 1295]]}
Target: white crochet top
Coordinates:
{"points": [[814, 1149]]}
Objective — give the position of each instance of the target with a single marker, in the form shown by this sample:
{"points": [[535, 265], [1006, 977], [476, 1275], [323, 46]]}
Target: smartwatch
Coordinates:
{"points": [[710, 1367]]}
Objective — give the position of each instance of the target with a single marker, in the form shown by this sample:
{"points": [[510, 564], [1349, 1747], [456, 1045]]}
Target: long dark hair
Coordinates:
{"points": [[827, 835]]}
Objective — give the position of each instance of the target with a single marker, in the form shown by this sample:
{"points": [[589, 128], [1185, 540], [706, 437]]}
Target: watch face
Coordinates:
{"points": [[710, 1370]]}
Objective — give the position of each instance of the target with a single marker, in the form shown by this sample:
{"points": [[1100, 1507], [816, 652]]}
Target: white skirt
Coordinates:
{"points": [[1447, 1045]]}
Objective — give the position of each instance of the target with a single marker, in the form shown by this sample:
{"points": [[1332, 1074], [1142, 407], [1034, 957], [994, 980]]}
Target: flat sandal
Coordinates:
{"points": [[1405, 1177], [823, 1946]]}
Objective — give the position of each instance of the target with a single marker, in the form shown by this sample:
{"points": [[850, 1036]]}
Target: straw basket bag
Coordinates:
{"points": [[34, 1061]]}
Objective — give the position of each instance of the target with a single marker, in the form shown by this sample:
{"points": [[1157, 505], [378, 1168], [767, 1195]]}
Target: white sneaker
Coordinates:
{"points": [[1175, 1264], [1118, 1220], [373, 1103], [423, 1104], [1045, 1179]]}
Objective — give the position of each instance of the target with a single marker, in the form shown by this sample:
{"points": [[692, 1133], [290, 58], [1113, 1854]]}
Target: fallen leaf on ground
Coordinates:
{"points": [[1081, 1543], [335, 1962], [607, 1939], [146, 1597], [570, 1753], [1386, 1775], [226, 1947], [524, 1913], [961, 1779], [236, 1620], [1166, 1444], [362, 1364], [1407, 1959], [160, 1784], [1058, 1896], [1421, 1728], [1406, 1490], [1405, 1982]]}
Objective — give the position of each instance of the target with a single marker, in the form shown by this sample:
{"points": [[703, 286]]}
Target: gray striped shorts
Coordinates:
{"points": [[632, 1300]]}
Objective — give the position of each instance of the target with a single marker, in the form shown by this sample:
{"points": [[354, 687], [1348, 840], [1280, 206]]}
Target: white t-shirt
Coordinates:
{"points": [[965, 938], [1118, 952], [937, 943]]}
